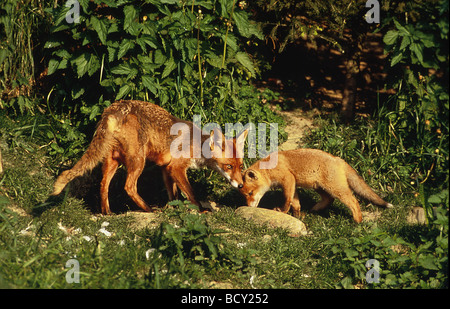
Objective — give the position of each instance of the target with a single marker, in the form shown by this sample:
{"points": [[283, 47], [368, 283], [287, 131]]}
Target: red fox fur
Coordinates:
{"points": [[330, 176], [131, 132]]}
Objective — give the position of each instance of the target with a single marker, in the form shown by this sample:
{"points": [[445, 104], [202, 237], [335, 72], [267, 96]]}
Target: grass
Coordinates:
{"points": [[183, 249]]}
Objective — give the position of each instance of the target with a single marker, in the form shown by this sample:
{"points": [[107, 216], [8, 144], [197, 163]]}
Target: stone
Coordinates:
{"points": [[274, 219], [142, 220], [417, 215]]}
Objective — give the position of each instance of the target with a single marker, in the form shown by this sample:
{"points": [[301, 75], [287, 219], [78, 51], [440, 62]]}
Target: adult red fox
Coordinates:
{"points": [[330, 176], [131, 132]]}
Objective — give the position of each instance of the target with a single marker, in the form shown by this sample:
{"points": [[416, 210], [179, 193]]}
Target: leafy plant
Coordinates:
{"points": [[23, 26], [192, 239], [181, 248], [402, 263], [168, 51], [418, 113]]}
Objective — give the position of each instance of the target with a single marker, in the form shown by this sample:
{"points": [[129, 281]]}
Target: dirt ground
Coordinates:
{"points": [[297, 124]]}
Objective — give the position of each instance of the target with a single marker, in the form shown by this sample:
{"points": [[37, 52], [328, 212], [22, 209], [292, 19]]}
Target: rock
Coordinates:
{"points": [[272, 218], [210, 205], [417, 215], [142, 220], [220, 285]]}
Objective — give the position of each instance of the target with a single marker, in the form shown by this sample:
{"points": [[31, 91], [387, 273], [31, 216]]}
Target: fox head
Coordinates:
{"points": [[254, 187], [228, 155]]}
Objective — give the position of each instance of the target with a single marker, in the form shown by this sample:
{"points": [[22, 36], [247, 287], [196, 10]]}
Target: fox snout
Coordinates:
{"points": [[236, 184], [252, 203]]}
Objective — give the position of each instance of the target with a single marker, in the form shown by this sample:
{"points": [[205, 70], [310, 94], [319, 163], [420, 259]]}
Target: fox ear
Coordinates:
{"points": [[239, 142], [243, 136], [211, 140], [216, 141], [251, 175]]}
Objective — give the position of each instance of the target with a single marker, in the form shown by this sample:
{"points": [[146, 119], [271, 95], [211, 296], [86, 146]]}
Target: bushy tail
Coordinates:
{"points": [[97, 150], [360, 187]]}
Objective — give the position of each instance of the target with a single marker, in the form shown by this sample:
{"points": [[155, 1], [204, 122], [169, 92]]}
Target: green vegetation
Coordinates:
{"points": [[203, 57], [185, 249], [172, 51]]}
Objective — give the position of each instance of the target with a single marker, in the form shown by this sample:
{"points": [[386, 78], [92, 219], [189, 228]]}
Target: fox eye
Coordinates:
{"points": [[241, 167], [229, 166]]}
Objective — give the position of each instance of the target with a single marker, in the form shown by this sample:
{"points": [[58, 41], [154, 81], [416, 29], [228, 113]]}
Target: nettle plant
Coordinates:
{"points": [[186, 55]]}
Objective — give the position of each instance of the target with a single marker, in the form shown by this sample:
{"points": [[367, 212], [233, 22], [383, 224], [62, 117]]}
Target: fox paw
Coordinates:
{"points": [[279, 209]]}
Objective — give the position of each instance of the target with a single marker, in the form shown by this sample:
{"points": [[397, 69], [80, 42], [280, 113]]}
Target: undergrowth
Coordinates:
{"points": [[185, 249]]}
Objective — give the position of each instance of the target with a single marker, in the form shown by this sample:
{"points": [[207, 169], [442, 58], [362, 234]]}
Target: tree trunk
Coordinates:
{"points": [[1, 165], [349, 95]]}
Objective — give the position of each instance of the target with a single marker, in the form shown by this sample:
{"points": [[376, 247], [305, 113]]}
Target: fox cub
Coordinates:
{"points": [[330, 176], [131, 132]]}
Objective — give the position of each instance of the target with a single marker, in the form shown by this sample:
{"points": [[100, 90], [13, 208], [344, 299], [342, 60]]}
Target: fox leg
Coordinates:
{"points": [[296, 205], [178, 175], [346, 196], [353, 204], [109, 169], [291, 196], [171, 187], [135, 166], [326, 200]]}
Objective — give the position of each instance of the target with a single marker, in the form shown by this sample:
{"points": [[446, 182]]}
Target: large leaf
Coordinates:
{"points": [[417, 48], [93, 65], [225, 6], [113, 51], [121, 69], [125, 69], [428, 261], [86, 63], [396, 59], [405, 42], [169, 67], [125, 47], [245, 60], [81, 64], [190, 47], [101, 27], [130, 23], [402, 30], [231, 41], [52, 66], [130, 13], [245, 27], [214, 60], [150, 84], [390, 37], [147, 40], [123, 91]]}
